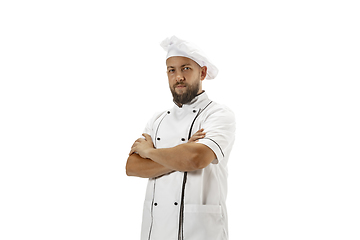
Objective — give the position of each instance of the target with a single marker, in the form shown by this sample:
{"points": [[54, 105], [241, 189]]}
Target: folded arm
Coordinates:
{"points": [[145, 168], [150, 162]]}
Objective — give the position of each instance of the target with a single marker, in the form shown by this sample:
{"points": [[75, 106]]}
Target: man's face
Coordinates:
{"points": [[185, 77]]}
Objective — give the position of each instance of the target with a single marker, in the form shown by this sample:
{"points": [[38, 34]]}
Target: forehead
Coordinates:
{"points": [[179, 61]]}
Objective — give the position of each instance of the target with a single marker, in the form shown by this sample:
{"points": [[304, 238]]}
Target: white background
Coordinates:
{"points": [[80, 79]]}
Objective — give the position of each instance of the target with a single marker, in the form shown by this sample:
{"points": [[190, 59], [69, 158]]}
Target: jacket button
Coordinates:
{"points": [[158, 139], [155, 204], [175, 203], [183, 139], [194, 111], [168, 112]]}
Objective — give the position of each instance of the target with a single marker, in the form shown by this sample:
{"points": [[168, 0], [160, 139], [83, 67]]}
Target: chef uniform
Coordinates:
{"points": [[190, 205]]}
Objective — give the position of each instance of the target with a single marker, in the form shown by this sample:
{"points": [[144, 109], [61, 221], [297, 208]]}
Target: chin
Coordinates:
{"points": [[180, 91]]}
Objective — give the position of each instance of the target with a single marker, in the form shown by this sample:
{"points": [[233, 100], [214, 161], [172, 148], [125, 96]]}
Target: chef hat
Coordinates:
{"points": [[177, 47]]}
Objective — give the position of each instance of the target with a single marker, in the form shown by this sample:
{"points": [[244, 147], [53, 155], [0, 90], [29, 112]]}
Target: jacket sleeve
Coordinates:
{"points": [[220, 128]]}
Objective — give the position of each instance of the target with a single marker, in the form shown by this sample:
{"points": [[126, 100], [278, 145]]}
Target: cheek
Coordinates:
{"points": [[190, 76], [171, 82], [171, 79]]}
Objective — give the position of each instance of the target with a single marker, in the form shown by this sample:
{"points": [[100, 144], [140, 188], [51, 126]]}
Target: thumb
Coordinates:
{"points": [[147, 136]]}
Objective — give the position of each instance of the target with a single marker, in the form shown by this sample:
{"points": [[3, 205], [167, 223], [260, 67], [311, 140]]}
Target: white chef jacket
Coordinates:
{"points": [[190, 205]]}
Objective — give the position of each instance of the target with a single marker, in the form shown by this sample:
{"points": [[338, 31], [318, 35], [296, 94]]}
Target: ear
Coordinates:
{"points": [[203, 72]]}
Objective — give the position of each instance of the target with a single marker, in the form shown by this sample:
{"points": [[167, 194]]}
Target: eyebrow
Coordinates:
{"points": [[180, 66]]}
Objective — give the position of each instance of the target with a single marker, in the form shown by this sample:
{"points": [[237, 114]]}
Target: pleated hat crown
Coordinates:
{"points": [[176, 47]]}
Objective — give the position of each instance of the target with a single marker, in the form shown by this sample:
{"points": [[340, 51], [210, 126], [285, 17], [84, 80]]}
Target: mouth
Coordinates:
{"points": [[180, 86]]}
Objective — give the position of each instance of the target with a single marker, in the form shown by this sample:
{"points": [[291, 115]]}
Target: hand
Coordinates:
{"points": [[142, 146], [198, 135]]}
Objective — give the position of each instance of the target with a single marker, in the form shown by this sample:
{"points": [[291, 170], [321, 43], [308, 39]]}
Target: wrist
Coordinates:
{"points": [[150, 153]]}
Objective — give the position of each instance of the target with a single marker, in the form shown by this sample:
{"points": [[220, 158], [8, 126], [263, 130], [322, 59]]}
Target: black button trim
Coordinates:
{"points": [[175, 203], [158, 139], [183, 139], [155, 204]]}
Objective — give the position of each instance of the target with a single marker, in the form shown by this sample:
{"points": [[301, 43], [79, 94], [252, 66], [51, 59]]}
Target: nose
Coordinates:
{"points": [[179, 77]]}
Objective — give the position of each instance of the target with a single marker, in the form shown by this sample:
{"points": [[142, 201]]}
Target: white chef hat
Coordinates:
{"points": [[177, 47]]}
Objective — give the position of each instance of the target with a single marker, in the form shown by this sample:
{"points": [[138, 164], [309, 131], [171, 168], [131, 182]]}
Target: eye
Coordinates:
{"points": [[186, 68], [171, 70]]}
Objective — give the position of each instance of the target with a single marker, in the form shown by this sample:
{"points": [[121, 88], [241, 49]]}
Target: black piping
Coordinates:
{"points": [[157, 129], [206, 106], [152, 202], [192, 124], [152, 214], [217, 145], [181, 218]]}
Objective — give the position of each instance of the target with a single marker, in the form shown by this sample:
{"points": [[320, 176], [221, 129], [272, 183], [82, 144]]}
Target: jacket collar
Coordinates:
{"points": [[199, 102]]}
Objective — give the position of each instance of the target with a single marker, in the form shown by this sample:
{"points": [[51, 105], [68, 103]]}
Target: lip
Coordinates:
{"points": [[180, 86]]}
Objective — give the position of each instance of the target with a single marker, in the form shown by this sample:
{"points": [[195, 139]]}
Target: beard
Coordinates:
{"points": [[187, 96]]}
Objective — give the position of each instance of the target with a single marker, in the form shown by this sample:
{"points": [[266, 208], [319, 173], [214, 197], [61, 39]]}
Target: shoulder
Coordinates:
{"points": [[153, 121], [221, 111], [158, 115]]}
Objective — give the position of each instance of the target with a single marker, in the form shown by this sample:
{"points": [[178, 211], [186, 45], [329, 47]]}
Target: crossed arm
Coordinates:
{"points": [[147, 162]]}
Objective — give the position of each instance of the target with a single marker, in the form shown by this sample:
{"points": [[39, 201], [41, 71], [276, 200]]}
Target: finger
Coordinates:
{"points": [[195, 138], [199, 135], [133, 148], [132, 151], [147, 137], [199, 131]]}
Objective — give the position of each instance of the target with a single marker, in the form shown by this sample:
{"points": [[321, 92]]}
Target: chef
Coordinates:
{"points": [[184, 153]]}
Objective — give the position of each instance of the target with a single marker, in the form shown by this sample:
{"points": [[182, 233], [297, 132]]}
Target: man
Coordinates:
{"points": [[184, 153]]}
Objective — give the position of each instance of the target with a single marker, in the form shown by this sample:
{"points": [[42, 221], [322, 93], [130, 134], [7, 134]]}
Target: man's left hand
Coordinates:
{"points": [[142, 146]]}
